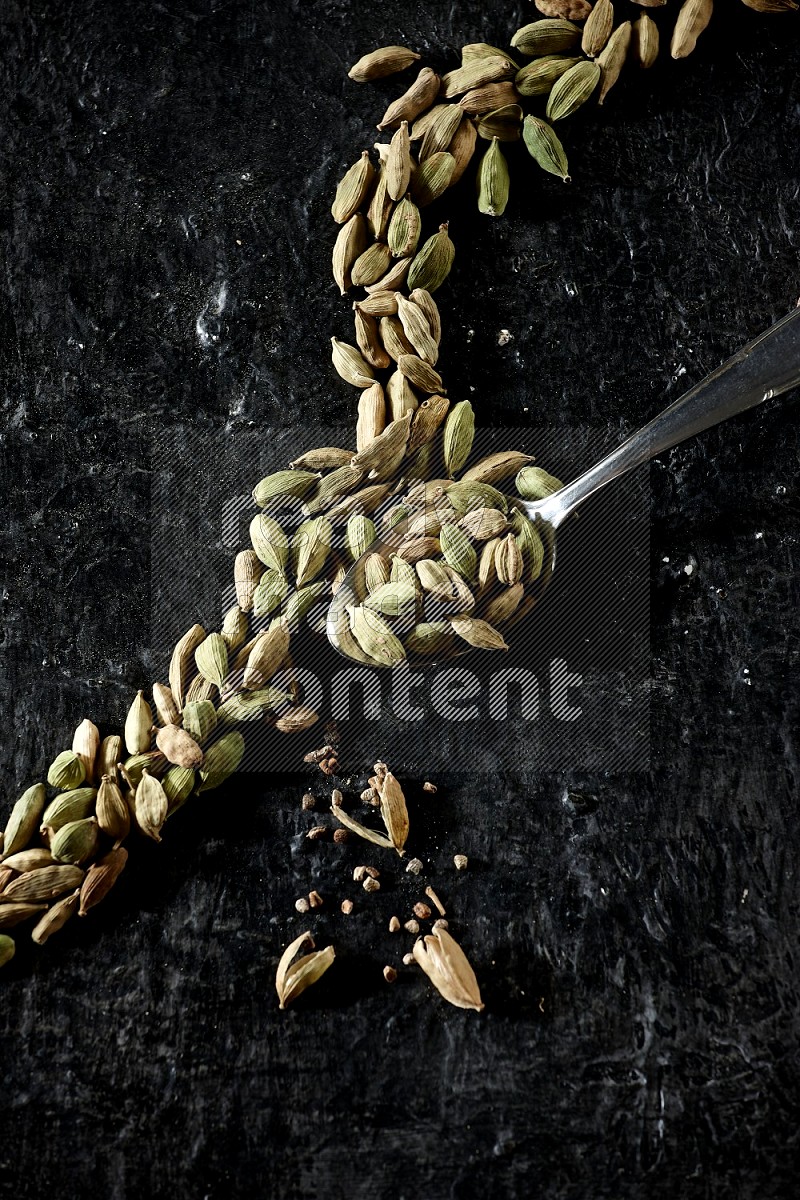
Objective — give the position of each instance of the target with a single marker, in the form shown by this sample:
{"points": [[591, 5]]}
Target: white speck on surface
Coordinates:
{"points": [[688, 569], [504, 337], [759, 535], [665, 558], [745, 894]]}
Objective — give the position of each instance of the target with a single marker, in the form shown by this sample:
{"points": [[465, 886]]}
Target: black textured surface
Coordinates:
{"points": [[167, 172]]}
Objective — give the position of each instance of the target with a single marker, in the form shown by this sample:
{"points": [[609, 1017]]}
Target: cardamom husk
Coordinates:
{"points": [[448, 968], [292, 979]]}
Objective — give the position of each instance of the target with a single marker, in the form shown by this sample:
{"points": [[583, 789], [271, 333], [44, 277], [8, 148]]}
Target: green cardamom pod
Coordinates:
{"points": [[359, 535], [392, 599], [544, 145], [504, 123], [353, 189], [7, 949], [538, 77], [76, 841], [549, 36], [534, 483], [459, 434], [572, 90], [211, 657], [429, 638], [310, 546], [299, 603], [251, 706], [530, 545], [432, 264], [431, 179], [281, 484], [458, 551], [221, 760], [178, 784], [404, 229], [200, 720], [67, 771], [493, 182], [269, 541], [24, 819], [270, 593], [70, 806], [375, 637], [468, 495]]}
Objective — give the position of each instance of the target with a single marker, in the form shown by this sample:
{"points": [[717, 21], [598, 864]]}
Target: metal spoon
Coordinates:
{"points": [[767, 366]]}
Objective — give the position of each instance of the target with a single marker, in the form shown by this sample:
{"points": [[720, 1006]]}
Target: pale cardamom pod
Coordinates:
{"points": [[692, 20], [221, 760], [447, 967], [380, 209], [645, 41], [251, 706], [388, 60], [138, 724], [394, 812], [109, 755], [475, 50], [350, 365], [402, 573], [392, 599], [47, 883], [493, 182], [419, 96], [14, 914], [432, 264], [426, 303], [369, 342], [376, 572], [597, 29], [534, 483], [324, 458], [297, 719], [488, 98], [404, 229], [379, 304], [312, 542], [365, 500], [394, 279], [211, 657], [180, 665], [101, 877], [292, 979], [504, 124], [459, 552], [247, 571], [475, 73], [550, 36], [55, 918], [496, 467], [384, 447], [272, 590], [612, 59], [353, 189], [234, 631], [544, 145], [572, 90], [538, 77], [375, 637], [484, 523], [420, 374], [201, 689], [24, 819], [371, 416], [369, 267], [417, 330], [299, 603], [351, 241], [86, 744], [430, 638], [359, 536], [487, 573], [399, 164], [439, 131], [26, 860], [416, 549], [508, 561], [150, 806], [76, 841], [393, 336], [179, 747], [432, 177], [401, 398], [504, 605], [281, 484], [478, 633], [462, 148], [332, 487], [113, 814], [269, 542]]}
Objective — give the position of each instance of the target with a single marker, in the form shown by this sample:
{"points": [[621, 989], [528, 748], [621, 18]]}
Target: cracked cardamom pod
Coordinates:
{"points": [[449, 969], [292, 979], [493, 182], [55, 918], [544, 144]]}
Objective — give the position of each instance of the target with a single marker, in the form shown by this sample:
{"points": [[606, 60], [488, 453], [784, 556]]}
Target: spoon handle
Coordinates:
{"points": [[765, 367]]}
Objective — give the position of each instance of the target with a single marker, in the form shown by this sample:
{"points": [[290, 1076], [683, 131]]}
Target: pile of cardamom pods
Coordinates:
{"points": [[457, 554]]}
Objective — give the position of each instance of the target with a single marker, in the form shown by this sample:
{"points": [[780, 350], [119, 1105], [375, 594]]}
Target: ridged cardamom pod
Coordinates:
{"points": [[380, 209], [508, 562], [234, 631], [404, 229], [24, 819], [432, 177], [247, 571], [368, 340], [597, 29], [138, 725], [488, 98], [534, 483], [494, 182], [462, 148], [496, 467], [401, 400], [394, 278], [392, 599], [66, 771], [269, 541], [371, 266], [487, 574], [572, 90], [17, 912], [70, 806], [324, 458], [351, 241], [388, 60], [394, 338], [503, 605], [365, 501], [478, 633], [420, 95], [376, 571], [544, 144], [109, 755], [504, 123], [300, 602], [200, 720], [371, 416], [612, 59], [113, 814], [76, 841], [55, 918], [312, 541], [692, 20], [468, 494], [426, 421], [166, 708], [384, 447], [398, 163], [211, 657], [179, 747], [101, 877], [178, 784], [475, 50], [350, 364], [269, 651], [27, 860], [459, 433], [420, 374], [150, 806], [439, 131], [221, 760], [484, 523], [429, 638], [379, 304], [86, 744], [550, 36], [375, 637], [426, 303], [46, 883], [458, 551], [394, 812], [530, 545], [181, 664], [645, 41], [538, 77], [417, 330], [475, 73], [403, 573], [284, 483], [432, 264], [7, 949], [153, 761], [359, 536], [449, 970], [353, 189]]}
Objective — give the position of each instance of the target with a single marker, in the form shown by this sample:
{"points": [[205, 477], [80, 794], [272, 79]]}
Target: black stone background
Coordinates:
{"points": [[652, 918]]}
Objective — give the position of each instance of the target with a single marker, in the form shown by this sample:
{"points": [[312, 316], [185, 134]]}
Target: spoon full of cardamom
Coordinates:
{"points": [[464, 561]]}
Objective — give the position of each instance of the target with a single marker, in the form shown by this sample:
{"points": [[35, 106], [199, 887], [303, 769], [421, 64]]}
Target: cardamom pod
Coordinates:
{"points": [[221, 760], [419, 96], [394, 278], [393, 336], [570, 10], [350, 364], [480, 50], [211, 657], [538, 77], [496, 467], [493, 181], [420, 374], [7, 949], [432, 264], [388, 60], [597, 29], [200, 719], [392, 599], [429, 638], [281, 484], [351, 241], [26, 860], [549, 36], [645, 41], [459, 552], [394, 812], [86, 744], [371, 266], [181, 663], [404, 230], [55, 918], [431, 178], [14, 914], [70, 806], [508, 562], [24, 820], [366, 500], [504, 605], [384, 446], [544, 145], [178, 784], [375, 637], [462, 148], [101, 877], [312, 542], [439, 132], [67, 771], [417, 330], [76, 841], [530, 545], [475, 73], [380, 209], [248, 570], [371, 416], [379, 304], [612, 59], [369, 342], [166, 708], [113, 814], [487, 574], [150, 806], [292, 979], [572, 90], [504, 123], [138, 724], [488, 98], [154, 762], [402, 573], [398, 163], [401, 398], [269, 651], [272, 590], [359, 536], [534, 483], [692, 20], [179, 747], [353, 189], [297, 719], [484, 523], [416, 549], [478, 633], [468, 494], [376, 571], [48, 883], [426, 303], [447, 966], [234, 631], [109, 755], [324, 458], [459, 433], [426, 420]]}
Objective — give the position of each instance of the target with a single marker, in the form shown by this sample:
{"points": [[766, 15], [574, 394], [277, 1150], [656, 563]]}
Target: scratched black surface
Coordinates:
{"points": [[167, 172]]}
